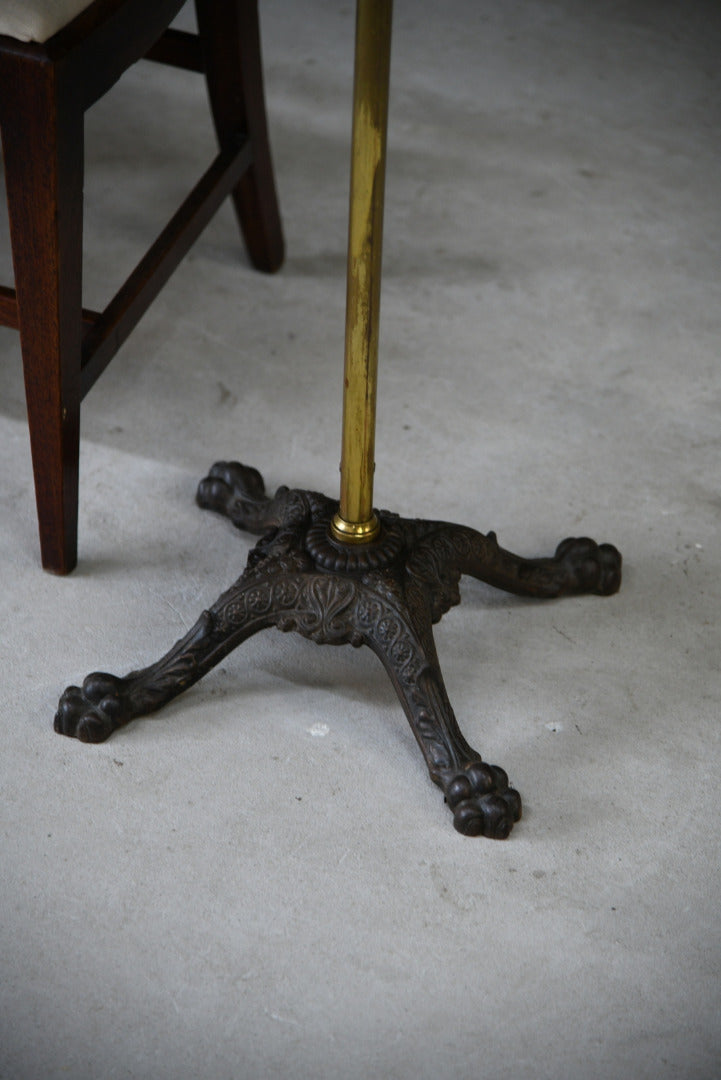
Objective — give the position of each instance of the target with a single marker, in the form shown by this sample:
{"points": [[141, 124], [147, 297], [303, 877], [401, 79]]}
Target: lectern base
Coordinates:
{"points": [[385, 594]]}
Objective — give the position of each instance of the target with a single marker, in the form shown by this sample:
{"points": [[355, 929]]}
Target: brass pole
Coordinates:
{"points": [[355, 521]]}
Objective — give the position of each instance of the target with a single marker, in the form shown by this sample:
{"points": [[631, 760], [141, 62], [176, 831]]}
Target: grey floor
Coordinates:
{"points": [[261, 881]]}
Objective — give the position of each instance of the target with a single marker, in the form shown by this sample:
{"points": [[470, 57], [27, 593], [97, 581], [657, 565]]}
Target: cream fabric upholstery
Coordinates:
{"points": [[37, 20]]}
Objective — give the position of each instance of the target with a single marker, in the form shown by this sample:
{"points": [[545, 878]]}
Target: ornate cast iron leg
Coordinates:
{"points": [[478, 794], [385, 595]]}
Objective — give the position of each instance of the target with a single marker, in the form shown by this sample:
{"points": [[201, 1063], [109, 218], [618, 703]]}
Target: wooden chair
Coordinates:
{"points": [[45, 88]]}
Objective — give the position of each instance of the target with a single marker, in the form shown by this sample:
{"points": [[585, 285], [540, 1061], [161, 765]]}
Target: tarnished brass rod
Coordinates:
{"points": [[355, 522]]}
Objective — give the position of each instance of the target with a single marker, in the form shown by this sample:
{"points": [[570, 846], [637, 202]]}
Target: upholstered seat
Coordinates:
{"points": [[37, 20], [57, 57]]}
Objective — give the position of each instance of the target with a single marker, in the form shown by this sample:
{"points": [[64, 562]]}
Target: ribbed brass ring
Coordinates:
{"points": [[339, 556]]}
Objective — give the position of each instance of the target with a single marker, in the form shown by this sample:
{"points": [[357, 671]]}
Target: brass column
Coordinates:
{"points": [[355, 521]]}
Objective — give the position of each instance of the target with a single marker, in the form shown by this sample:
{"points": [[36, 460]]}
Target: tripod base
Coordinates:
{"points": [[385, 594]]}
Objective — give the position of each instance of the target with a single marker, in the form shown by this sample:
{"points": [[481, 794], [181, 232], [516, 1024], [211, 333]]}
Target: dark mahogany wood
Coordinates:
{"points": [[44, 93], [122, 314], [230, 40], [42, 132], [8, 308], [178, 48]]}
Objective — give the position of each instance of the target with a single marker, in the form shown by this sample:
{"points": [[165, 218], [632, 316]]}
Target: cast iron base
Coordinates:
{"points": [[385, 595]]}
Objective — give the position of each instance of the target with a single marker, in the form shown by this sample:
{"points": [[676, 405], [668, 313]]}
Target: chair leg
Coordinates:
{"points": [[230, 36], [42, 137]]}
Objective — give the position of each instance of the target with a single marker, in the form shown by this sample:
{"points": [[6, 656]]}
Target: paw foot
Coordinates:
{"points": [[590, 567], [230, 484], [482, 802], [92, 712]]}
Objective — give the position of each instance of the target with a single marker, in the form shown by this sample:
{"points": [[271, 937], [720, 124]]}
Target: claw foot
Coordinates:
{"points": [[228, 483], [92, 712], [591, 567], [482, 802]]}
